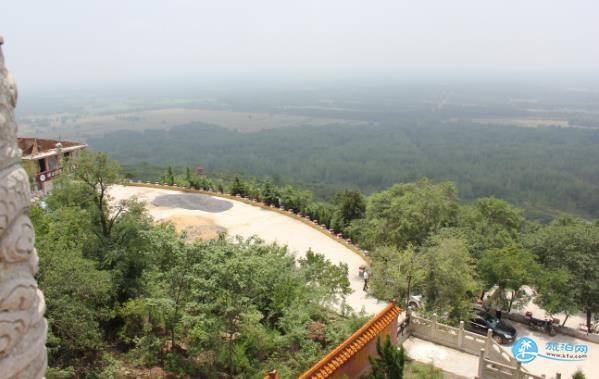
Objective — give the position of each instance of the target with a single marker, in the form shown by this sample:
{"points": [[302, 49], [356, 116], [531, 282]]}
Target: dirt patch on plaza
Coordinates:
{"points": [[193, 201], [196, 227]]}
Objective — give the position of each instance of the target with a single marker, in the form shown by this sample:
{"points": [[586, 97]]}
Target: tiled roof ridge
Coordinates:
{"points": [[352, 345], [48, 142]]}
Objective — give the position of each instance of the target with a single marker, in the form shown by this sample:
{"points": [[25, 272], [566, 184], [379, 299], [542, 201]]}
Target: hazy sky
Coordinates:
{"points": [[84, 43]]}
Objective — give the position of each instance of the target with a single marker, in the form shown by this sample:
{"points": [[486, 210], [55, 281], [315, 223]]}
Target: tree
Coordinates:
{"points": [[390, 361], [329, 281], [555, 290], [570, 245], [293, 198], [173, 278], [490, 223], [77, 293], [170, 176], [509, 268], [238, 188], [207, 309], [96, 173], [188, 176], [230, 299], [450, 280], [269, 194], [114, 235], [501, 213], [78, 301], [396, 274], [129, 252], [350, 205], [323, 212], [526, 166], [31, 169], [91, 258], [409, 213]]}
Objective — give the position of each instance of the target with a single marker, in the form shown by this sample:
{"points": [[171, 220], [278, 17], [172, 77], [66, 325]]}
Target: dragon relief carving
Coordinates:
{"points": [[23, 328]]}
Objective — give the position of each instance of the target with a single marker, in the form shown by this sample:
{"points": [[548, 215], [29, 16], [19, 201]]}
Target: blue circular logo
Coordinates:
{"points": [[525, 350]]}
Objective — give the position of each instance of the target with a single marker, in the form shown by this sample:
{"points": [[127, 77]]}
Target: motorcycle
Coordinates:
{"points": [[545, 326]]}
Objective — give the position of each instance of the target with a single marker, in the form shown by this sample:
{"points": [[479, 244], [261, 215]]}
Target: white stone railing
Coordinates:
{"points": [[460, 339], [489, 369], [494, 362]]}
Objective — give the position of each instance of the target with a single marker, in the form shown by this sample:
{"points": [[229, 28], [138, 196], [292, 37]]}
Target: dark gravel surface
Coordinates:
{"points": [[194, 202]]}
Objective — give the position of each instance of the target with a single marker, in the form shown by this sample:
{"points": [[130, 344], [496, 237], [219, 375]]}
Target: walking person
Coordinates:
{"points": [[365, 276]]}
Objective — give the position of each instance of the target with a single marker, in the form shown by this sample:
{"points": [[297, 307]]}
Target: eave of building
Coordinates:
{"points": [[327, 366], [53, 152]]}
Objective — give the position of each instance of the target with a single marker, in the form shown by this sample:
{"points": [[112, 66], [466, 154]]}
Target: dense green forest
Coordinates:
{"points": [[424, 239], [123, 291], [543, 170], [126, 293]]}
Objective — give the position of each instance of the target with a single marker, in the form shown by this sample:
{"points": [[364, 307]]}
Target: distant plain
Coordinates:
{"points": [[537, 147], [80, 127]]}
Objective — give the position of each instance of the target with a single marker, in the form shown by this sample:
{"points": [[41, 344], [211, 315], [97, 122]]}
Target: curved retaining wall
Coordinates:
{"points": [[289, 213]]}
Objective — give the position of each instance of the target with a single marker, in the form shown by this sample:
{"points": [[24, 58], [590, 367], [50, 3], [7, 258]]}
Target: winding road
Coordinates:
{"points": [[239, 218]]}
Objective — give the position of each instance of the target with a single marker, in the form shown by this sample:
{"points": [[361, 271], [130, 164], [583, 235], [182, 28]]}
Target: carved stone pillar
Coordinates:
{"points": [[23, 327]]}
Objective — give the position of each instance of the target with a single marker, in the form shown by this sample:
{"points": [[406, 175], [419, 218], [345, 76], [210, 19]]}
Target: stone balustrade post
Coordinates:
{"points": [[23, 327], [434, 327], [519, 372], [409, 327], [461, 335], [489, 340], [481, 364]]}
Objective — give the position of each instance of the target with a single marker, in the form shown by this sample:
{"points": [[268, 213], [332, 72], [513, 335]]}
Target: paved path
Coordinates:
{"points": [[452, 361], [246, 220]]}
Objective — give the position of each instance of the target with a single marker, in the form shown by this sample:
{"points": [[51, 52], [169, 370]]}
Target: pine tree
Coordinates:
{"points": [[238, 188], [269, 194], [170, 176], [390, 362]]}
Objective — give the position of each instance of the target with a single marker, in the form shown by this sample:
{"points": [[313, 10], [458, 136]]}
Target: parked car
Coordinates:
{"points": [[503, 332]]}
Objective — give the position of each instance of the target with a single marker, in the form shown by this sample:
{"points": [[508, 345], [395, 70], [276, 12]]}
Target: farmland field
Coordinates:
{"points": [[81, 127], [537, 150]]}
